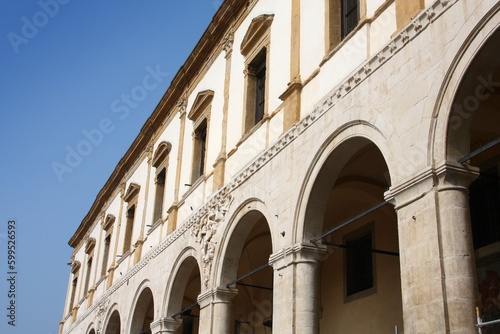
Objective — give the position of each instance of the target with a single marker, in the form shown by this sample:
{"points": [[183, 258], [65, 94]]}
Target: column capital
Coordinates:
{"points": [[443, 176], [298, 253], [164, 325], [216, 295], [453, 174]]}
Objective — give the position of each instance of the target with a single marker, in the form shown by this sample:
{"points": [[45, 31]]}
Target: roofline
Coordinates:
{"points": [[208, 41]]}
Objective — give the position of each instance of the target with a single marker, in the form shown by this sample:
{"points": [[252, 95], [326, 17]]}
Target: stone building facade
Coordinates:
{"points": [[317, 166]]}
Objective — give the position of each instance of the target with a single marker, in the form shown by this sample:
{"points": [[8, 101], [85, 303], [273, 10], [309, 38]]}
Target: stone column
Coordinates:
{"points": [[459, 283], [297, 289], [216, 310], [223, 321], [164, 325], [205, 320], [436, 252]]}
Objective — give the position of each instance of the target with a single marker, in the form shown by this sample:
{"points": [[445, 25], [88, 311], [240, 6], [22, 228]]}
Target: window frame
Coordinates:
{"points": [[200, 116], [345, 13], [75, 271], [131, 198], [356, 235], [336, 30], [255, 48], [107, 226]]}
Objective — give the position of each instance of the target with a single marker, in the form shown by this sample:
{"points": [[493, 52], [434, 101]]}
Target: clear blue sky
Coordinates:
{"points": [[63, 70]]}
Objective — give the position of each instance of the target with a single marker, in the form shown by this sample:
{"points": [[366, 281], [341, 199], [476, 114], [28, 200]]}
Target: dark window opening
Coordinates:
{"points": [[200, 136], [87, 276], [359, 264], [160, 190], [73, 293], [128, 230], [257, 88], [484, 200], [350, 16], [187, 325], [105, 255], [259, 65]]}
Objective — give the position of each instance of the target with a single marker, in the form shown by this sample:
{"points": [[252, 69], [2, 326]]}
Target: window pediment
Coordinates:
{"points": [[256, 32], [108, 221], [75, 266], [89, 246], [200, 104], [161, 153], [132, 191]]}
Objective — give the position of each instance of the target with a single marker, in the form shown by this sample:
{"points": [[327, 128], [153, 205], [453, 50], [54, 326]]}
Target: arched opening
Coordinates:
{"points": [[474, 139], [183, 303], [360, 280], [92, 331], [143, 313], [114, 325], [246, 268]]}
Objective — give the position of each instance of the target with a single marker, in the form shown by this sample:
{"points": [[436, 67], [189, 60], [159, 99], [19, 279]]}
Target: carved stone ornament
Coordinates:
{"points": [[204, 231], [227, 42], [100, 314], [182, 105]]}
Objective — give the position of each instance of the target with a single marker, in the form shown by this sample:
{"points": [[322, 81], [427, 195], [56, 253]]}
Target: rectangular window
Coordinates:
{"points": [[359, 264], [105, 255], [350, 16], [87, 275], [200, 143], [73, 292], [187, 325], [160, 191], [484, 199], [259, 65], [256, 90], [127, 242]]}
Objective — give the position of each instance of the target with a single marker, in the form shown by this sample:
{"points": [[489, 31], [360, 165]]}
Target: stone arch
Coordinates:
{"points": [[361, 269], [142, 311], [251, 207], [112, 324], [449, 136], [90, 329], [466, 140], [243, 267], [183, 287], [309, 212]]}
